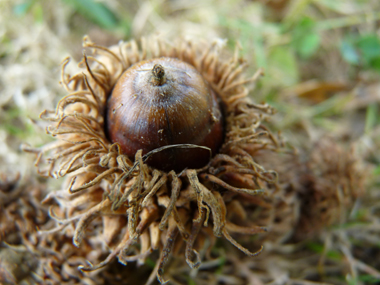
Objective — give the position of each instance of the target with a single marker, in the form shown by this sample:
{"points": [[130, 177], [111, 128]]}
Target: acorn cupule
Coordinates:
{"points": [[147, 202]]}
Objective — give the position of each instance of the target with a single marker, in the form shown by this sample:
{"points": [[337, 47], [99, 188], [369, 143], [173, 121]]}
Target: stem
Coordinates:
{"points": [[158, 75]]}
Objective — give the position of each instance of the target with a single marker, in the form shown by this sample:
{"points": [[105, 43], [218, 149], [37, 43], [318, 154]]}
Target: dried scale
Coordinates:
{"points": [[317, 188], [121, 200], [20, 212], [28, 253]]}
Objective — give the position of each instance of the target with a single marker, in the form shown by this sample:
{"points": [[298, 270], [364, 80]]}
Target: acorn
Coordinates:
{"points": [[162, 102], [157, 142]]}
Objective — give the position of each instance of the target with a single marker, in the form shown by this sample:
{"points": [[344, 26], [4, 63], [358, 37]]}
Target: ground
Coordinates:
{"points": [[321, 61]]}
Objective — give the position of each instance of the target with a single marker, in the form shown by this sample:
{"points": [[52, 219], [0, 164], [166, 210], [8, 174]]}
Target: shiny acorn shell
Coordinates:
{"points": [[164, 102]]}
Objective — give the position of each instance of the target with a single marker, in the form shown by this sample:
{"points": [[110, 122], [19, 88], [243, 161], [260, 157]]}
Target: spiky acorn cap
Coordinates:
{"points": [[136, 203]]}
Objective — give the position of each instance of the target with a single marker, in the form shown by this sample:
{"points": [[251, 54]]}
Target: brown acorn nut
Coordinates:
{"points": [[161, 102]]}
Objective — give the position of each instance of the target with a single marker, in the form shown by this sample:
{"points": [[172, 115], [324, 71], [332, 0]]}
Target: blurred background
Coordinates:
{"points": [[321, 60]]}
